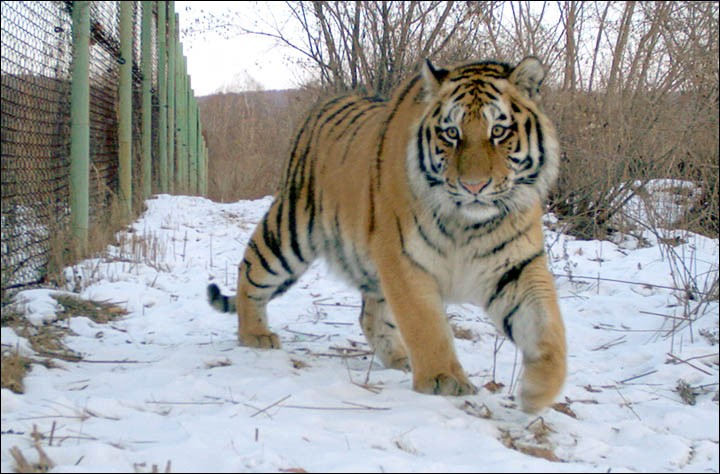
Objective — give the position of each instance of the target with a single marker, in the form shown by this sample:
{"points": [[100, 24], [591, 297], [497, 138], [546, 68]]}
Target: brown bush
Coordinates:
{"points": [[609, 155], [248, 136]]}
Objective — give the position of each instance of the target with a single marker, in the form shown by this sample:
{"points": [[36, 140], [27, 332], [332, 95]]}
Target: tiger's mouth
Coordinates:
{"points": [[478, 202], [484, 193], [480, 206]]}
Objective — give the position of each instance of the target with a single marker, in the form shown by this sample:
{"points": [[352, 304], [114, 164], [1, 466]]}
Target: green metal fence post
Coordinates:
{"points": [[80, 124], [171, 96], [201, 158], [146, 139], [185, 120], [162, 102], [180, 121], [125, 110], [185, 126], [192, 140], [207, 169]]}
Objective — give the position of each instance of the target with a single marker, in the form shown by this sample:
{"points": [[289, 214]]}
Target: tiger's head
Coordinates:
{"points": [[482, 148]]}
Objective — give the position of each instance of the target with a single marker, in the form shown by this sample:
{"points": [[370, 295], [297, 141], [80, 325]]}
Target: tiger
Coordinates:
{"points": [[433, 196]]}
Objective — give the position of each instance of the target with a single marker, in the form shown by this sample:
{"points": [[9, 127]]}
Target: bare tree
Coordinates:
{"points": [[368, 45], [632, 86], [569, 12]]}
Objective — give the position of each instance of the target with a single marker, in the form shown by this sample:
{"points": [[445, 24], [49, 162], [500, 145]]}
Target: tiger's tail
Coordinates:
{"points": [[224, 304]]}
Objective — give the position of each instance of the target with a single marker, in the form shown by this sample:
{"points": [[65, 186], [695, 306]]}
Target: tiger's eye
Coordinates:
{"points": [[497, 131], [452, 133]]}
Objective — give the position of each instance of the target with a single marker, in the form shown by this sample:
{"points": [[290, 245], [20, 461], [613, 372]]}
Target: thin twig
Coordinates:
{"points": [[627, 404], [652, 285], [350, 408], [609, 344], [367, 407], [162, 402], [270, 406], [306, 334], [663, 315], [688, 363], [52, 433], [638, 376]]}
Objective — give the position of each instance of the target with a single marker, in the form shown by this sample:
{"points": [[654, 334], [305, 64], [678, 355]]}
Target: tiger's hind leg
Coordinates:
{"points": [[380, 329], [269, 267]]}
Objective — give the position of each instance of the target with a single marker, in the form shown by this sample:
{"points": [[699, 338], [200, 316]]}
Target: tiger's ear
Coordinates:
{"points": [[528, 75], [432, 77]]}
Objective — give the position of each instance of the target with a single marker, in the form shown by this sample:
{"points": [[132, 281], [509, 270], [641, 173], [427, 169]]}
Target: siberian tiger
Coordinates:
{"points": [[433, 196]]}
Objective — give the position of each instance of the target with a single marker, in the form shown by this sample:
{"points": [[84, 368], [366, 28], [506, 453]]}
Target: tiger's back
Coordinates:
{"points": [[431, 197]]}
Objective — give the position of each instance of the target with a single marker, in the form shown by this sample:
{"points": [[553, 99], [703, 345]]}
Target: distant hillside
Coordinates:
{"points": [[248, 136]]}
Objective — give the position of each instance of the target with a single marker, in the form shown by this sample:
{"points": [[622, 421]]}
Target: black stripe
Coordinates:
{"points": [[507, 322], [292, 224], [481, 229], [352, 101], [349, 108], [251, 281], [528, 132], [492, 97], [420, 151], [404, 250], [357, 129], [512, 275], [283, 287], [503, 244], [274, 244], [310, 209], [299, 158], [427, 240], [430, 178], [442, 227], [338, 245], [356, 117], [253, 246], [367, 282], [493, 87]]}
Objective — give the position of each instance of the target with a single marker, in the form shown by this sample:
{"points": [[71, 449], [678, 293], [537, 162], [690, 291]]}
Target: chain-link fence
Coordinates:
{"points": [[37, 57]]}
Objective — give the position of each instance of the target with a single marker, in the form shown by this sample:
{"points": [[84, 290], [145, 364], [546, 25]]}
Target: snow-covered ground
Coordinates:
{"points": [[168, 385]]}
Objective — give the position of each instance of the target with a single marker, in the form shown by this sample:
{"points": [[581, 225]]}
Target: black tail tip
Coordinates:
{"points": [[213, 292]]}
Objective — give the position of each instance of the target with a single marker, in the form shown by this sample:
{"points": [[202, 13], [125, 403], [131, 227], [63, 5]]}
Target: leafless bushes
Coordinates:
{"points": [[632, 88], [248, 135]]}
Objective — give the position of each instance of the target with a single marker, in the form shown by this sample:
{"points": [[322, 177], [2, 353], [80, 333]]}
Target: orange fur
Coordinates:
{"points": [[431, 197]]}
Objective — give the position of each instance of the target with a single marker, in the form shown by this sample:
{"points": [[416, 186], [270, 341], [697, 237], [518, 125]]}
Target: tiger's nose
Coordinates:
{"points": [[475, 187]]}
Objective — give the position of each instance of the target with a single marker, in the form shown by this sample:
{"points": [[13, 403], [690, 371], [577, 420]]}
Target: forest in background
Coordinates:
{"points": [[632, 88]]}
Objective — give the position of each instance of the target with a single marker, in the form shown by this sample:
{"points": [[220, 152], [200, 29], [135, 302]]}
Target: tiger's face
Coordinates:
{"points": [[483, 148]]}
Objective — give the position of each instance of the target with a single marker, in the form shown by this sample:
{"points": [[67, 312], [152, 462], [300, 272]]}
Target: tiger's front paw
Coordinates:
{"points": [[542, 381], [445, 384], [268, 340]]}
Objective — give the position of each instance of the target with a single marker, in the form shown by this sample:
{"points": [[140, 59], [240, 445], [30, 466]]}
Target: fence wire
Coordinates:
{"points": [[35, 107]]}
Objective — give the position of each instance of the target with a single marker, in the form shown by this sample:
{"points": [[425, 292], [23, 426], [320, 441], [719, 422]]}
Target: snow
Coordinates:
{"points": [[168, 383]]}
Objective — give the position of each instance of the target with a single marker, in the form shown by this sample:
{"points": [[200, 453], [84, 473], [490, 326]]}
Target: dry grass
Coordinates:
{"points": [[64, 251], [463, 333], [46, 340], [43, 464], [14, 368], [99, 311]]}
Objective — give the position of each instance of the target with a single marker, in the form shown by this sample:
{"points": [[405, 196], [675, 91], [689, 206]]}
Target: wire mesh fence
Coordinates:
{"points": [[37, 57]]}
